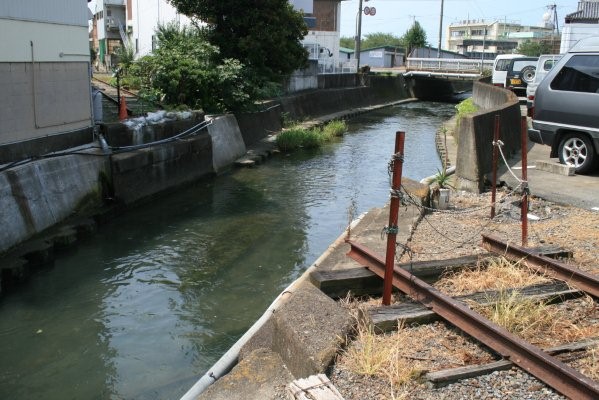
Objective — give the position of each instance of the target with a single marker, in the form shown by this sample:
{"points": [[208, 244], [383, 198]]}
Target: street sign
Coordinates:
{"points": [[367, 10], [372, 11]]}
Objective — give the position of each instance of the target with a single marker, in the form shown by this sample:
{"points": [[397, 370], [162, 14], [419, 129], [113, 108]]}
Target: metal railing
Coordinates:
{"points": [[336, 66], [447, 65]]}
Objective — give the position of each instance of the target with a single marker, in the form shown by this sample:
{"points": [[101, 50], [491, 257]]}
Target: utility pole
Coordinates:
{"points": [[358, 36], [440, 31]]}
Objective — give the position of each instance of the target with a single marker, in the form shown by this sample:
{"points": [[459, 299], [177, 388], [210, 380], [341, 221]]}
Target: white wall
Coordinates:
{"points": [[147, 14], [65, 12], [49, 42], [572, 33]]}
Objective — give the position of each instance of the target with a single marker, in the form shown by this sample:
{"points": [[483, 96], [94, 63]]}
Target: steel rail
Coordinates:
{"points": [[553, 372], [556, 269]]}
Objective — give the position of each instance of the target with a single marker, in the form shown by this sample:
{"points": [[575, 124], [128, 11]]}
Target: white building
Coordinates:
{"points": [[487, 39], [580, 24], [130, 21], [44, 74], [322, 41]]}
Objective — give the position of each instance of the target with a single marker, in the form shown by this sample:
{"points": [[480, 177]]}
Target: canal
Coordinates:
{"points": [[149, 303]]}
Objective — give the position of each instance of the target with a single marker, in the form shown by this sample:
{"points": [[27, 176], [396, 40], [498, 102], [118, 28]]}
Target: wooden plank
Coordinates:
{"points": [[445, 377], [361, 281], [315, 387], [386, 318]]}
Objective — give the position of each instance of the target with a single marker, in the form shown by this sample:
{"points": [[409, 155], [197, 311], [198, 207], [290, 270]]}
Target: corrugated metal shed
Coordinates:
{"points": [[64, 12]]}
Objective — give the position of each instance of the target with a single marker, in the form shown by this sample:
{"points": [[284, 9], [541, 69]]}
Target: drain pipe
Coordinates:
{"points": [[429, 179], [230, 358]]}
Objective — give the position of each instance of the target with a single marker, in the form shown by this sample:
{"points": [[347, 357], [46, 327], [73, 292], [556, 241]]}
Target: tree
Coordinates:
{"points": [[264, 35], [379, 39], [186, 69], [533, 49], [347, 42], [414, 37]]}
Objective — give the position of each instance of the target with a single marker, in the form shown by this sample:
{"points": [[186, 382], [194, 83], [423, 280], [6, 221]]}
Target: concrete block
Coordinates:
{"points": [[227, 142], [309, 330], [261, 375], [132, 161], [555, 168]]}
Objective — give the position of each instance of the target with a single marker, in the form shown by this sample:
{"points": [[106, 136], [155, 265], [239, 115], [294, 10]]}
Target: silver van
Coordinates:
{"points": [[566, 108]]}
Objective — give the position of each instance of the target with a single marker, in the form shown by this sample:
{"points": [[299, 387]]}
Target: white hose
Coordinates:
{"points": [[229, 359]]}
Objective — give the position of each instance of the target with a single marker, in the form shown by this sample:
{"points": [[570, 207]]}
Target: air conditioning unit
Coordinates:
{"points": [[111, 23]]}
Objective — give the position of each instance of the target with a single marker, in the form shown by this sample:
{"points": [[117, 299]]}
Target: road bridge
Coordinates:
{"points": [[446, 68]]}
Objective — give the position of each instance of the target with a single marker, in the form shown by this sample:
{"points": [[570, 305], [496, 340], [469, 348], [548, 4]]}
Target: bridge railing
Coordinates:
{"points": [[447, 65]]}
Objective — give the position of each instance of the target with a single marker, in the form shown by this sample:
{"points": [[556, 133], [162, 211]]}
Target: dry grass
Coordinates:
{"points": [[403, 356], [494, 274], [589, 365], [541, 323]]}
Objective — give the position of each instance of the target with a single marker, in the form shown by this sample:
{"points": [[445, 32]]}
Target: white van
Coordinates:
{"points": [[544, 65], [500, 66]]}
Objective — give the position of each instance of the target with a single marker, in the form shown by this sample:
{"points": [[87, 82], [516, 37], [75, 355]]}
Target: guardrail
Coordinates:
{"points": [[447, 65]]}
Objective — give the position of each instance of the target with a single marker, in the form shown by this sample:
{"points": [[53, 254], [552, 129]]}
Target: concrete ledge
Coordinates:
{"points": [[260, 375], [310, 328], [555, 168]]}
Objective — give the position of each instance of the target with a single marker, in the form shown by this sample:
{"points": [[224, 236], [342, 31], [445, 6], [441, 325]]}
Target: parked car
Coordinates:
{"points": [[520, 72], [500, 66], [566, 109], [544, 65]]}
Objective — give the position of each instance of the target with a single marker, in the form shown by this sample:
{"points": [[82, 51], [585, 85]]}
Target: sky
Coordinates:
{"points": [[396, 16]]}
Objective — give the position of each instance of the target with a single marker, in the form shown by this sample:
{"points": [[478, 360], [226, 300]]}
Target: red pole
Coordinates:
{"points": [[524, 207], [495, 156], [393, 211]]}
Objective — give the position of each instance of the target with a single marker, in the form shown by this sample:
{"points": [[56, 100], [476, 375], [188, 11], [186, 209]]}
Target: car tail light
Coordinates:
{"points": [[499, 84], [531, 97]]}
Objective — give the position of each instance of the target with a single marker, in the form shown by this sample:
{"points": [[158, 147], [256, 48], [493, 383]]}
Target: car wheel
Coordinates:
{"points": [[528, 74], [577, 150]]}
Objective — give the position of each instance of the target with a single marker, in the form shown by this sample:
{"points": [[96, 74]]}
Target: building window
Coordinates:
{"points": [[477, 32]]}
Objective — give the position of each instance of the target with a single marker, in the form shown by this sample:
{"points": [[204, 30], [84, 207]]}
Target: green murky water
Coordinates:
{"points": [[148, 304]]}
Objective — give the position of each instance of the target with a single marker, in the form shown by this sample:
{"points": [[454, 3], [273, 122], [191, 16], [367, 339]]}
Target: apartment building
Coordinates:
{"points": [[485, 39]]}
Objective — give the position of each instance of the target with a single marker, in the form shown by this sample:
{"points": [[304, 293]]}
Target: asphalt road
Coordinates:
{"points": [[577, 190]]}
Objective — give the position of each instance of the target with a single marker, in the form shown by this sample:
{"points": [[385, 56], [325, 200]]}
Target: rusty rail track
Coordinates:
{"points": [[558, 270], [546, 368]]}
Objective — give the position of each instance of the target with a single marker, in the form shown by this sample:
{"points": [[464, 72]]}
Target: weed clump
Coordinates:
{"points": [[298, 137]]}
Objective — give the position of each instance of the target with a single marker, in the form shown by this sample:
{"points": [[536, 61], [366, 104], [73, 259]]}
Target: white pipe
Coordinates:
{"points": [[229, 359], [429, 179]]}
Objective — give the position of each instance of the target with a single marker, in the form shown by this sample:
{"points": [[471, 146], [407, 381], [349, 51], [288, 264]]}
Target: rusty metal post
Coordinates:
{"points": [[495, 156], [524, 206], [393, 211]]}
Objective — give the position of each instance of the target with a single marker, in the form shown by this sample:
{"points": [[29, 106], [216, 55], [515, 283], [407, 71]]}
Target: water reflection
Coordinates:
{"points": [[156, 297]]}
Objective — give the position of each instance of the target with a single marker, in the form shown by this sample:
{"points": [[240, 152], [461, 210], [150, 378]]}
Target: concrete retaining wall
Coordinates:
{"points": [[257, 125], [143, 173], [380, 89], [475, 134], [37, 195]]}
